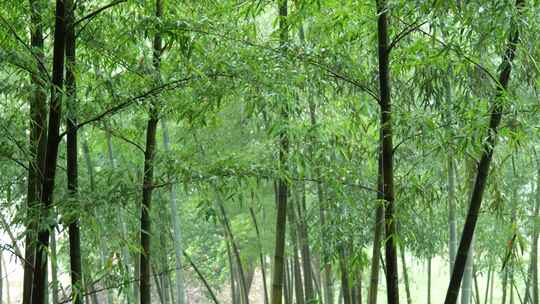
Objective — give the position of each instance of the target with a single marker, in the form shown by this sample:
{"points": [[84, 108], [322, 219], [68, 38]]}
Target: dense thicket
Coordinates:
{"points": [[269, 151]]}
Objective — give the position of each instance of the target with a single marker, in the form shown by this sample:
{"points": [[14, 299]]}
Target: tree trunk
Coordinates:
{"points": [[466, 288], [261, 255], [164, 273], [38, 142], [392, 289], [534, 247], [287, 290], [511, 265], [149, 153], [483, 166], [405, 275], [345, 285], [504, 285], [102, 246], [201, 277], [359, 293], [326, 267], [157, 283], [49, 173], [492, 287], [94, 295], [281, 217], [511, 283], [304, 245], [489, 278], [377, 239], [177, 231], [250, 275], [452, 241], [298, 285], [232, 272], [72, 151], [476, 289], [316, 284], [429, 281], [145, 234], [54, 268], [236, 252]]}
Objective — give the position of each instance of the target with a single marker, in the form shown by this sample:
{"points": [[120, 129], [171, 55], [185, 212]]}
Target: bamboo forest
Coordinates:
{"points": [[269, 151]]}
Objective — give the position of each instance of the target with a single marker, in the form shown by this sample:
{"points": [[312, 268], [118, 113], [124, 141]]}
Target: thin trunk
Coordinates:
{"points": [[513, 225], [452, 241], [171, 290], [491, 288], [94, 295], [527, 293], [326, 281], [261, 255], [236, 251], [316, 283], [451, 186], [484, 164], [38, 142], [101, 237], [511, 283], [87, 293], [54, 268], [72, 169], [47, 291], [343, 265], [149, 154], [327, 267], [304, 245], [377, 239], [429, 281], [164, 275], [354, 292], [51, 154], [504, 285], [392, 289], [282, 187], [157, 283], [302, 223], [286, 286], [126, 258], [232, 271], [298, 284], [177, 232], [489, 278], [145, 233], [293, 236], [476, 289], [534, 247], [359, 292], [201, 277], [250, 275], [517, 293], [292, 275], [405, 275], [466, 288]]}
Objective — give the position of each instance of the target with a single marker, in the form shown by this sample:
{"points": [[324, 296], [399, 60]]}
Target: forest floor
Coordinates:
{"points": [[417, 271]]}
